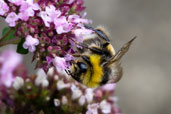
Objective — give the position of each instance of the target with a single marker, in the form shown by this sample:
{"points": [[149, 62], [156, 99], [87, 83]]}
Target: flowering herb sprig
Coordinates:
{"points": [[51, 93], [48, 28]]}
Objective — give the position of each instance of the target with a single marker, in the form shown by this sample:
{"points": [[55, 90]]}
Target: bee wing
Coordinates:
{"points": [[120, 53], [100, 31], [114, 63], [116, 74]]}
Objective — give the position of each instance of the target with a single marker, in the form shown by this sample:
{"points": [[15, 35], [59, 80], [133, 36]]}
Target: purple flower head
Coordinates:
{"points": [[50, 25], [3, 8], [11, 19], [30, 43], [9, 60]]}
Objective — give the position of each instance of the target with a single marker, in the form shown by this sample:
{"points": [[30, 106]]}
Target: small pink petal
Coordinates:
{"points": [[16, 2], [11, 19], [59, 63], [30, 43], [62, 25], [45, 17], [109, 87], [3, 8]]}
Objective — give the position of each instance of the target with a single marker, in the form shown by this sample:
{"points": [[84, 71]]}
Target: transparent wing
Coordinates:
{"points": [[120, 53]]}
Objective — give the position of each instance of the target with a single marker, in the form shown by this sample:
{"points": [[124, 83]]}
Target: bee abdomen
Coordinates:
{"points": [[107, 73]]}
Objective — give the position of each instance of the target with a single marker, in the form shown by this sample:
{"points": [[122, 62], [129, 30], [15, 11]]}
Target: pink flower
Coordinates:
{"points": [[73, 18], [59, 63], [109, 87], [49, 15], [9, 61], [64, 100], [62, 25], [41, 78], [82, 100], [105, 107], [16, 2], [46, 18], [18, 83], [79, 33], [3, 7], [11, 19], [30, 43], [93, 108], [89, 95], [27, 9], [56, 102], [70, 1], [77, 19], [52, 12], [62, 85], [76, 92]]}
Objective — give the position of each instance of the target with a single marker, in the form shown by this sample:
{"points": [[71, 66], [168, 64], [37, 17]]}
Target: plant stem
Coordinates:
{"points": [[12, 41], [6, 35]]}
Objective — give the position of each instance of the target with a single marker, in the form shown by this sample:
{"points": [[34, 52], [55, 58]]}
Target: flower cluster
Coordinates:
{"points": [[55, 93], [49, 28]]}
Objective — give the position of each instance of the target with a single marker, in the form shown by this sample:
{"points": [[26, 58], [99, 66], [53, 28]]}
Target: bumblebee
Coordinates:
{"points": [[96, 62]]}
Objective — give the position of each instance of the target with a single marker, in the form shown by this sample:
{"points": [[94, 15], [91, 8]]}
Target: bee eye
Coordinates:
{"points": [[83, 67]]}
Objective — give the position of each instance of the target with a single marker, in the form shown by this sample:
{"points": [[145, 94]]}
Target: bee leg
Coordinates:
{"points": [[76, 55], [80, 44], [68, 71], [99, 32]]}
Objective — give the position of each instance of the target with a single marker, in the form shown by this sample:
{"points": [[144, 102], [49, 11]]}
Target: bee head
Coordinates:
{"points": [[78, 67]]}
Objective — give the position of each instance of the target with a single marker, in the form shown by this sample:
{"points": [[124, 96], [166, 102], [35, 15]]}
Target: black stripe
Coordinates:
{"points": [[105, 78]]}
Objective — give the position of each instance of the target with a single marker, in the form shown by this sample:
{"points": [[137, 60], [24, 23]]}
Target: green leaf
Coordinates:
{"points": [[20, 48], [9, 33]]}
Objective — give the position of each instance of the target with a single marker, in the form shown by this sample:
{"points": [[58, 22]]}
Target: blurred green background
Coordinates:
{"points": [[146, 84]]}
